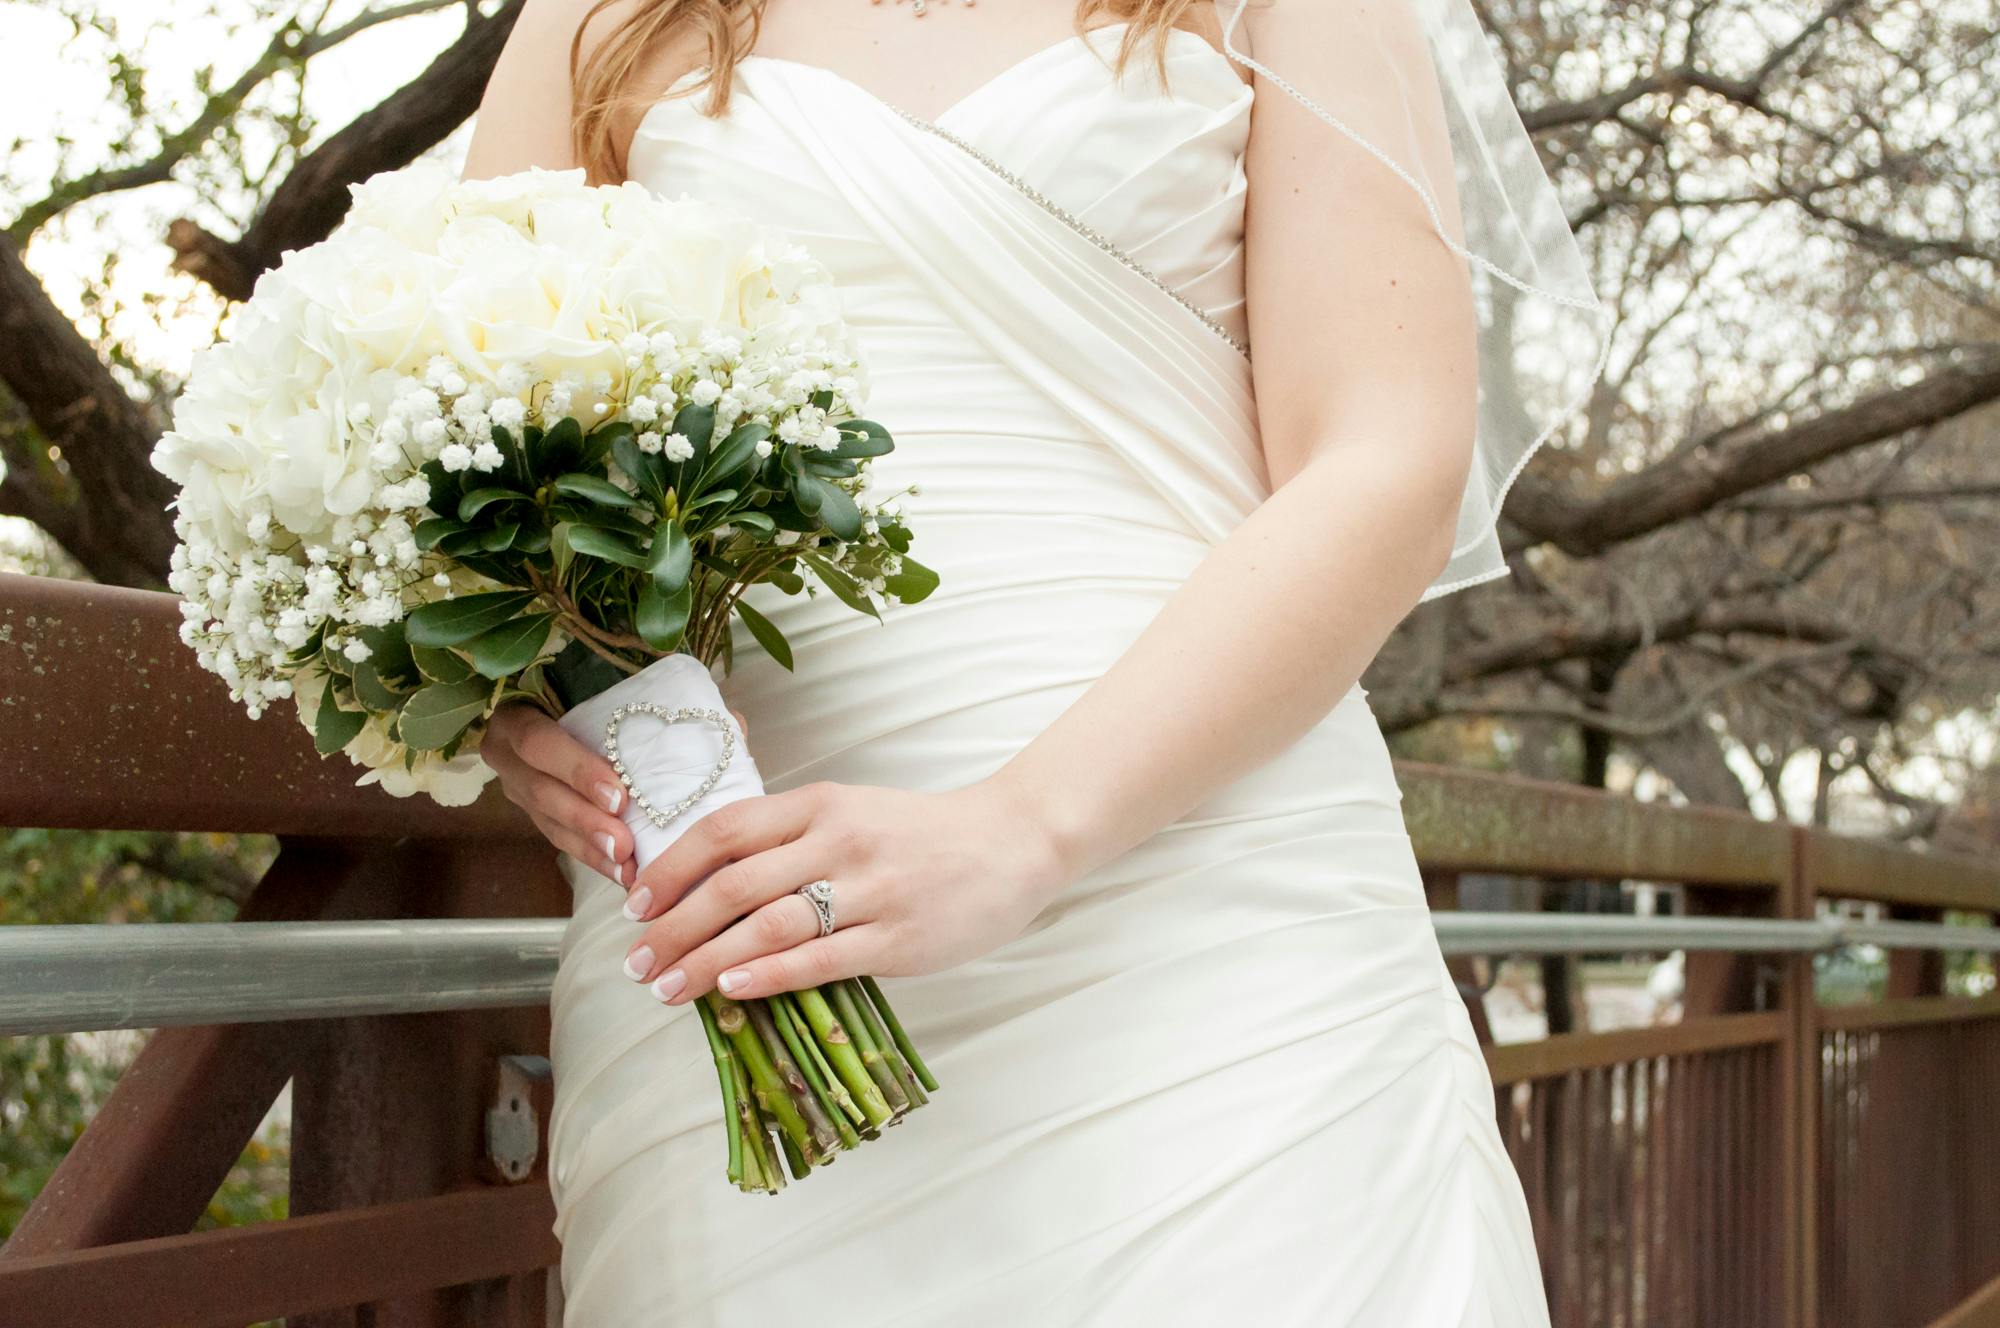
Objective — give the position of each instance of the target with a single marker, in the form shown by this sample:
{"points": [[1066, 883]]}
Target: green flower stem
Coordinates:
{"points": [[879, 1034], [774, 1099], [748, 1128], [903, 1044], [821, 1142], [842, 996], [832, 1037], [799, 1038], [801, 1168], [725, 1066]]}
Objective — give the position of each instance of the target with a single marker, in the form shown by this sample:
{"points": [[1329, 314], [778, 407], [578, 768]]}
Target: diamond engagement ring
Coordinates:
{"points": [[820, 895]]}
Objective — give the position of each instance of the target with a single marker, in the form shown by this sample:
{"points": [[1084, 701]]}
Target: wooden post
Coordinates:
{"points": [[392, 1108], [1800, 1085]]}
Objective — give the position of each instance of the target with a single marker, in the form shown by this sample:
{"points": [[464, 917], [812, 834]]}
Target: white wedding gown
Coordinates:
{"points": [[1224, 1078]]}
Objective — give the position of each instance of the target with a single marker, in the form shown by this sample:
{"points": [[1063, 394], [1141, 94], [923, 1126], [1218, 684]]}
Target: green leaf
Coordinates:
{"points": [[500, 538], [559, 449], [606, 518], [479, 500], [512, 646], [827, 466], [756, 521], [697, 424], [598, 443], [844, 587], [648, 472], [461, 542], [661, 618], [736, 452], [560, 552], [577, 673], [608, 545], [334, 728], [372, 691], [514, 458], [767, 634], [532, 539], [453, 622], [438, 665], [807, 493], [671, 557], [493, 569], [429, 531], [896, 537], [710, 500], [438, 714], [911, 584], [786, 580], [836, 509], [445, 487], [863, 438], [597, 489], [389, 652]]}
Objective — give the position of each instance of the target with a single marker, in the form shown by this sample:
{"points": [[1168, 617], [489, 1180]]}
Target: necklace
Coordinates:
{"points": [[923, 7]]}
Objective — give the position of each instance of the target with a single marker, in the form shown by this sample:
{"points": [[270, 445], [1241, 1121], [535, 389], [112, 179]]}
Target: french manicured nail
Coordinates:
{"points": [[610, 847], [670, 984], [637, 902], [734, 980], [639, 963], [611, 796]]}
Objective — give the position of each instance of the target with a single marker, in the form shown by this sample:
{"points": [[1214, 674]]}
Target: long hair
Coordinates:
{"points": [[607, 80]]}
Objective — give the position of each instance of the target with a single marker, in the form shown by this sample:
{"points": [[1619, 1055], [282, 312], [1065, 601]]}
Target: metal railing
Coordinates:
{"points": [[73, 979], [1765, 1162]]}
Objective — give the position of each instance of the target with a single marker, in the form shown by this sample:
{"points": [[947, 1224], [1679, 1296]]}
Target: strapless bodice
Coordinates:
{"points": [[1155, 169], [1022, 500]]}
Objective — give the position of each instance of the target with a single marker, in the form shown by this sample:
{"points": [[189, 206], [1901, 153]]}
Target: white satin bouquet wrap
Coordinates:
{"points": [[666, 761]]}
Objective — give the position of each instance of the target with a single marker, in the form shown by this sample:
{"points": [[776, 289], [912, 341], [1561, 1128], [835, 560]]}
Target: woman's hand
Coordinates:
{"points": [[922, 881], [569, 791]]}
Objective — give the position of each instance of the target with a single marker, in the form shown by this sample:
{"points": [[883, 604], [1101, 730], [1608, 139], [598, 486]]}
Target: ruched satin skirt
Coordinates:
{"points": [[1225, 1075]]}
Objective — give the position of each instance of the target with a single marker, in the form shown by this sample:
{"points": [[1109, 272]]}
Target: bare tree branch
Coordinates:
{"points": [[1734, 461], [314, 197]]}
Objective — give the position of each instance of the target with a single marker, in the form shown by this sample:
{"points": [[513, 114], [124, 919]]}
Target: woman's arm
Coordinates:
{"points": [[1364, 331]]}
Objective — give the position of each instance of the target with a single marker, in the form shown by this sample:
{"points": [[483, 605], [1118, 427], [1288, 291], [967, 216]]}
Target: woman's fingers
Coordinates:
{"points": [[591, 855], [555, 779], [779, 925], [725, 835], [542, 744], [848, 953], [738, 890]]}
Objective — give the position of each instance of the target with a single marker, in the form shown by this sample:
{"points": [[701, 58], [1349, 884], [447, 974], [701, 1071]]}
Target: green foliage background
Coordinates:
{"points": [[50, 1086]]}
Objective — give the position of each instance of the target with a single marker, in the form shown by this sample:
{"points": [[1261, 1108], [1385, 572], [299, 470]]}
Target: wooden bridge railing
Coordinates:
{"points": [[1765, 1163]]}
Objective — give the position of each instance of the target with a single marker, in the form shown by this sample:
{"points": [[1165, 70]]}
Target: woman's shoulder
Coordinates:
{"points": [[634, 35]]}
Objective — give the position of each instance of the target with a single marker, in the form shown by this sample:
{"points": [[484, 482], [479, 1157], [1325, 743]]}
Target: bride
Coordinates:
{"points": [[1109, 810]]}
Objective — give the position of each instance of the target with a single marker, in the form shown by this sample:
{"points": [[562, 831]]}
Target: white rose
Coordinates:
{"points": [[379, 299], [408, 202]]}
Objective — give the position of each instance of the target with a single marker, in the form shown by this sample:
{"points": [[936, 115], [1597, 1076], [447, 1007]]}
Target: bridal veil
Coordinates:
{"points": [[1543, 335]]}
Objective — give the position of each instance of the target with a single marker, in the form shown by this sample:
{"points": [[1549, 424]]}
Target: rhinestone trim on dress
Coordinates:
{"points": [[1075, 223]]}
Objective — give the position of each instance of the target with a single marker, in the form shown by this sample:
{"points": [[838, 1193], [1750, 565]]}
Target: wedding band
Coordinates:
{"points": [[820, 895]]}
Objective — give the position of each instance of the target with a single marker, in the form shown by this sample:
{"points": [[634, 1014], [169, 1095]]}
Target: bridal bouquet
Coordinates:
{"points": [[529, 439]]}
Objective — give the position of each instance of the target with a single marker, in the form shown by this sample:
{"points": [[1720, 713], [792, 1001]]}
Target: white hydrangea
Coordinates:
{"points": [[438, 311]]}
